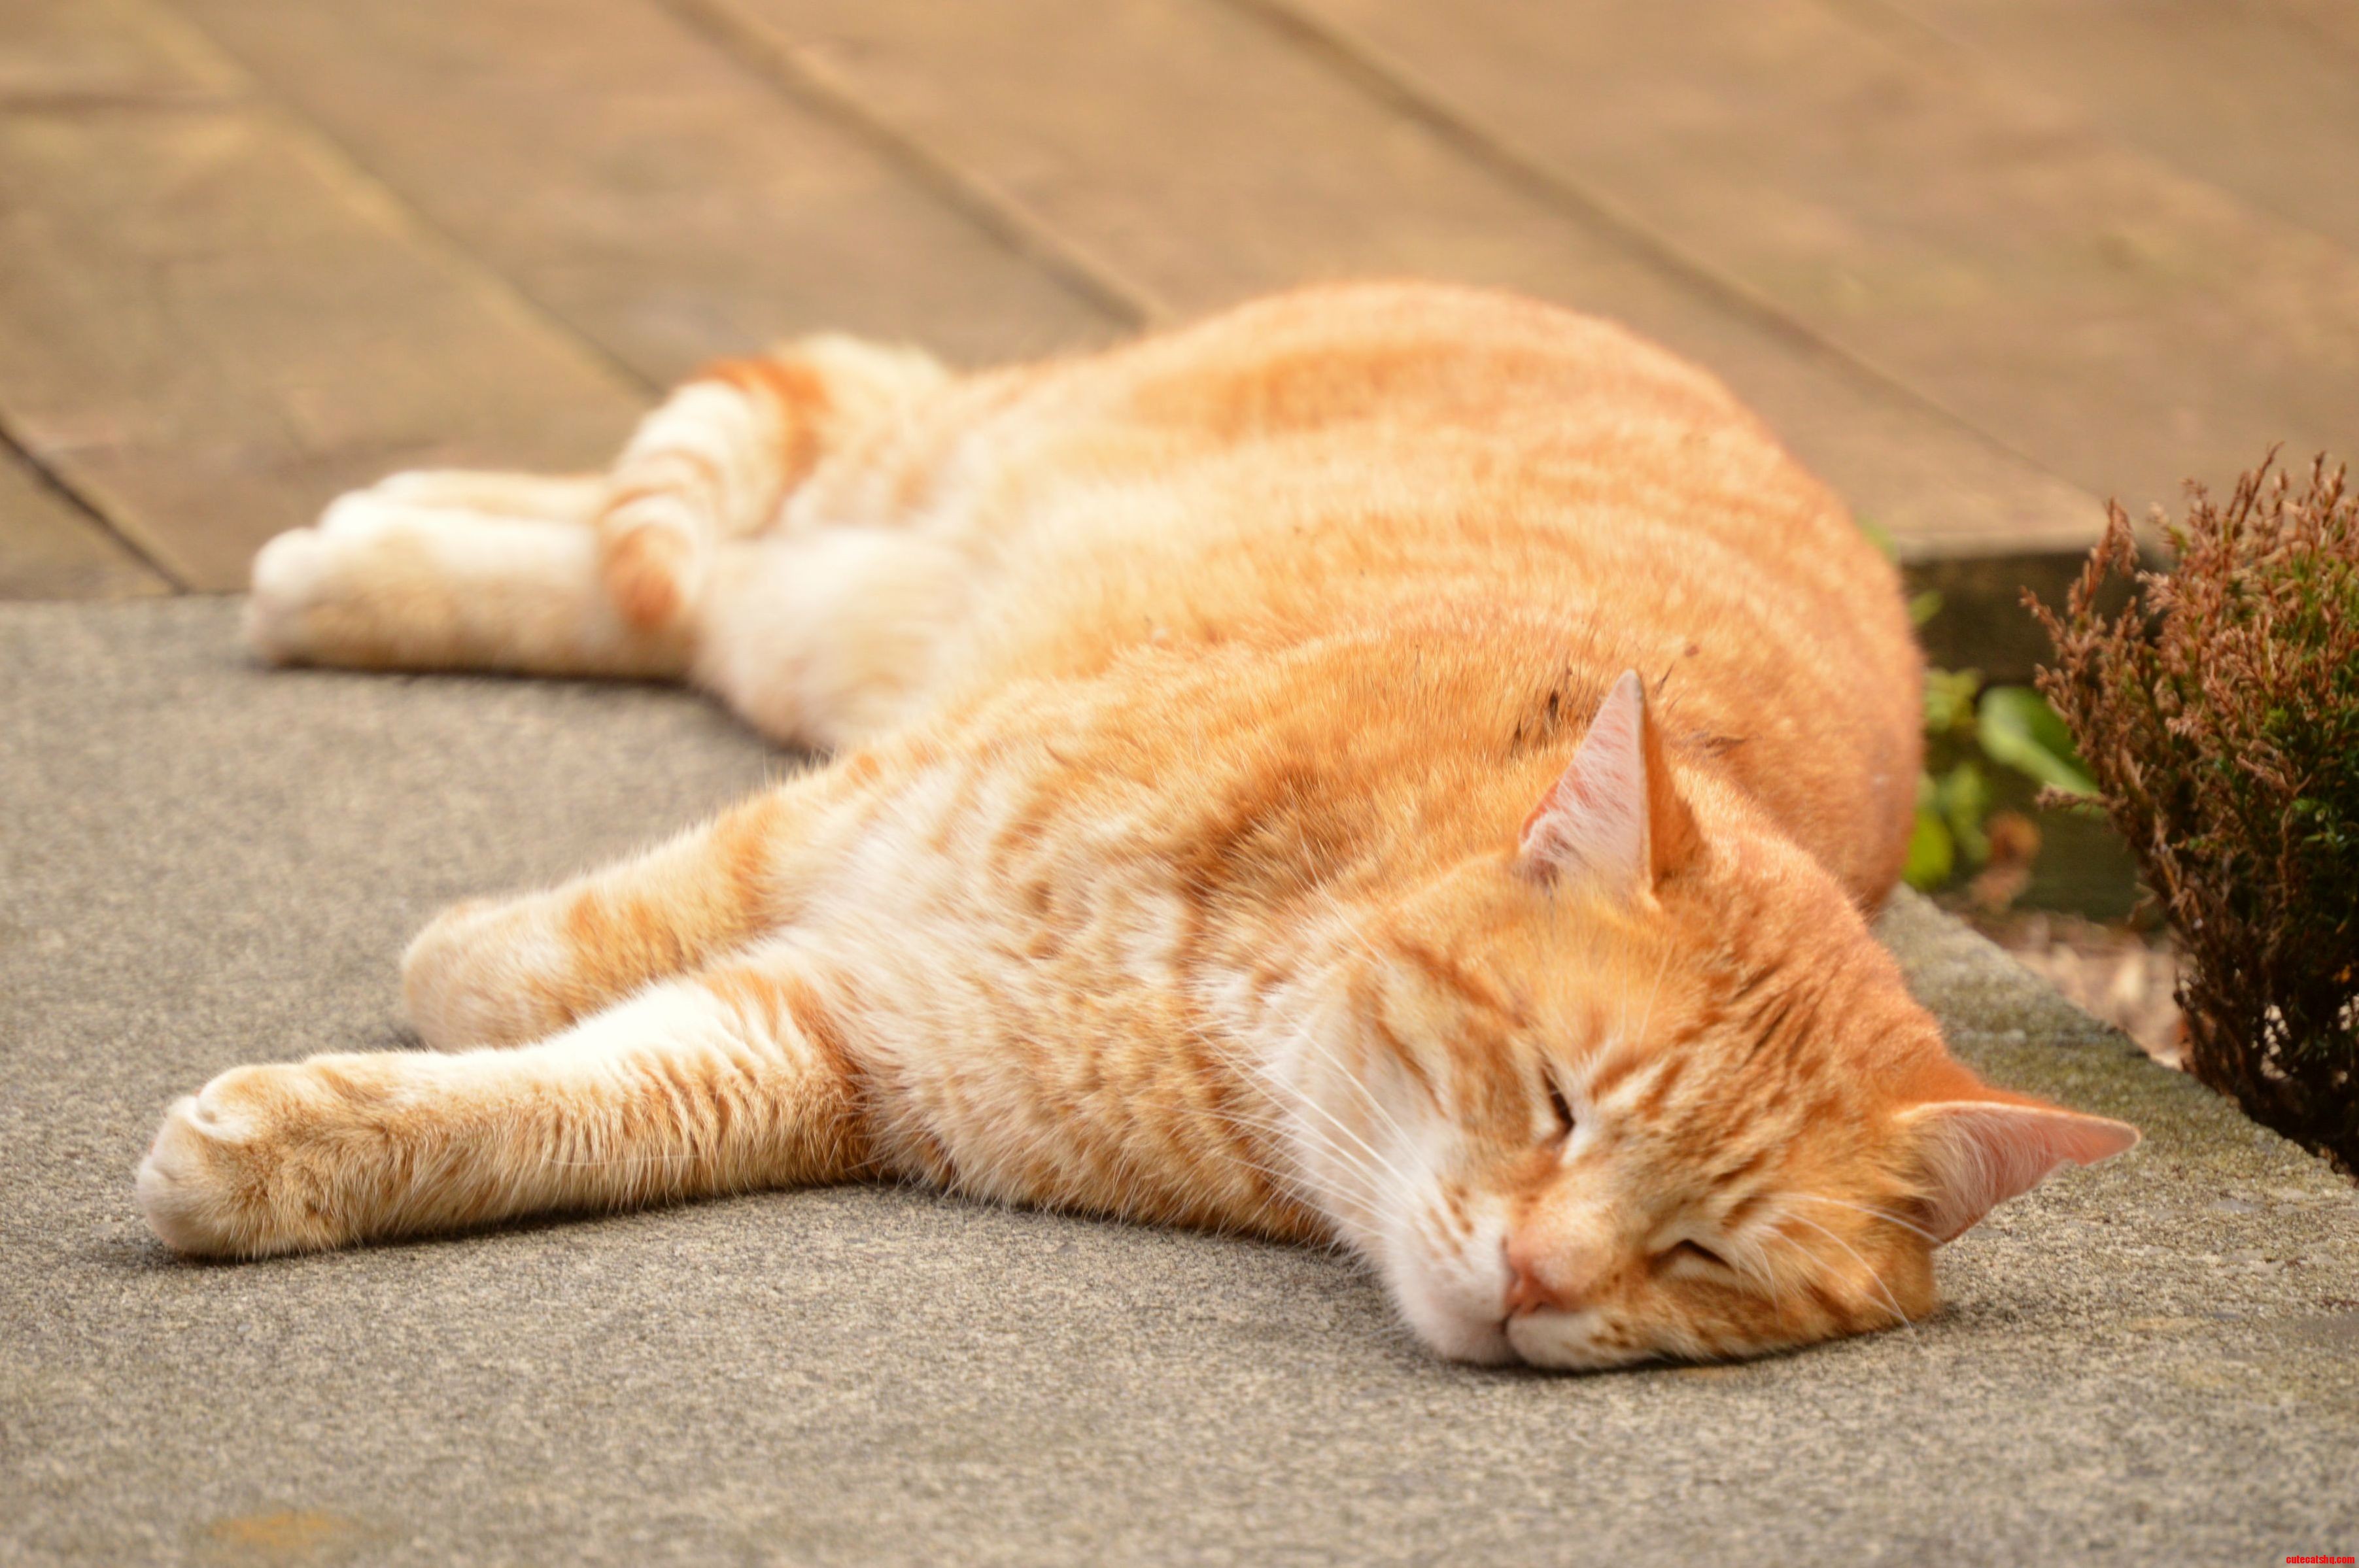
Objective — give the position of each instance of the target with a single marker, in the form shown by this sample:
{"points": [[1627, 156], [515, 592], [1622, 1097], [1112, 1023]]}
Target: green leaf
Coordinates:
{"points": [[1964, 799], [1931, 853], [1924, 606], [2015, 726], [1877, 536], [1950, 700]]}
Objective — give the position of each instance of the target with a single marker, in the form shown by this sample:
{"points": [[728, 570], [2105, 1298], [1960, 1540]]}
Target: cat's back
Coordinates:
{"points": [[1328, 460], [1451, 430]]}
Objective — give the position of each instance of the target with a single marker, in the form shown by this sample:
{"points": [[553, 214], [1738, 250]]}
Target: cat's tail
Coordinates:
{"points": [[719, 459]]}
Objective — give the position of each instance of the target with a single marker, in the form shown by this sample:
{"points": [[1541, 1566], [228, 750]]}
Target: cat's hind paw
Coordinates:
{"points": [[370, 584], [293, 574]]}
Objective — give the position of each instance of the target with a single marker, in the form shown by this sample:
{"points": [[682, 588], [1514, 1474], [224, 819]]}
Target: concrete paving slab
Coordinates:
{"points": [[201, 864]]}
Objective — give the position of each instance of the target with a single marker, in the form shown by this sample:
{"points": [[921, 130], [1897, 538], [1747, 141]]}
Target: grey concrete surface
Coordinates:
{"points": [[2153, 1362]]}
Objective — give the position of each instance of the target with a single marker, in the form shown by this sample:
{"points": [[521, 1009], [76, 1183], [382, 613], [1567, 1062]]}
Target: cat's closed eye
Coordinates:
{"points": [[1692, 1252], [1559, 1107]]}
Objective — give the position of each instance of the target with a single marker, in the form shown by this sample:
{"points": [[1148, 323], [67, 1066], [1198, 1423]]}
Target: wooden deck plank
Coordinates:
{"points": [[209, 323], [1206, 158], [2332, 23], [1977, 240], [2261, 99], [61, 53], [49, 548], [640, 183]]}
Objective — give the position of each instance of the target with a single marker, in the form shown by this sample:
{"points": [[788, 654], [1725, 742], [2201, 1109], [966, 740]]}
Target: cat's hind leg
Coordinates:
{"points": [[719, 459], [576, 574], [389, 581], [828, 637], [546, 498], [729, 1080]]}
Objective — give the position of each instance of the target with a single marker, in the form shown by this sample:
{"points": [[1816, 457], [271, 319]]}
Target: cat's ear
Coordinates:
{"points": [[1613, 818], [1975, 1154]]}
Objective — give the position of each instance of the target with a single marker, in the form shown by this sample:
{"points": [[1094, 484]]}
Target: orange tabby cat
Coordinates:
{"points": [[1390, 765]]}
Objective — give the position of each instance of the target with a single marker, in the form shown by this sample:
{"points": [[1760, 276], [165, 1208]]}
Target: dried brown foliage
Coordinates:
{"points": [[2219, 713]]}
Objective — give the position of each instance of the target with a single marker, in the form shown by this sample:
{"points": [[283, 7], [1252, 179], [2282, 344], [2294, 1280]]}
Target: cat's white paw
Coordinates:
{"points": [[470, 978], [222, 1179], [361, 513], [189, 1184], [292, 574], [303, 578]]}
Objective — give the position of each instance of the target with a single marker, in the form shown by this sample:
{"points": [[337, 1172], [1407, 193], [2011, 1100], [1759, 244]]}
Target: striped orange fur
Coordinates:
{"points": [[1390, 765]]}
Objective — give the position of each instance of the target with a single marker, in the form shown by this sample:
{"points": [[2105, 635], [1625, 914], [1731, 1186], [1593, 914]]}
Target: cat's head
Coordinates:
{"points": [[1643, 1085]]}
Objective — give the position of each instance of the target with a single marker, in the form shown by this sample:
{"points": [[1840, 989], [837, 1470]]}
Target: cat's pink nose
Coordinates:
{"points": [[1529, 1288]]}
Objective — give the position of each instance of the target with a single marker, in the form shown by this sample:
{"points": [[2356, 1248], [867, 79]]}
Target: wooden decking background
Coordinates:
{"points": [[1983, 262]]}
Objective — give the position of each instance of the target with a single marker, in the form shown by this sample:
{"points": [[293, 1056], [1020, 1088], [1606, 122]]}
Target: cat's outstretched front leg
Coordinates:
{"points": [[730, 1080]]}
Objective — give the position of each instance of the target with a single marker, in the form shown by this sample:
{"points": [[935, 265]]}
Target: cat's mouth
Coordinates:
{"points": [[1565, 1341]]}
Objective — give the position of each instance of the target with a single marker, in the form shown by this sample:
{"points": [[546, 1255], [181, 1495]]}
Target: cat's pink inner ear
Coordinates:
{"points": [[1612, 817], [1976, 1154]]}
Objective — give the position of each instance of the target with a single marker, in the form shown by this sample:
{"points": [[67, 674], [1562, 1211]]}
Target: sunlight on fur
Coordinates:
{"points": [[1391, 766]]}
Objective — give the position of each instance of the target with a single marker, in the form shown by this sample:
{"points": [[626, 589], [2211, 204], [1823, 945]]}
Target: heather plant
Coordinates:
{"points": [[2219, 714]]}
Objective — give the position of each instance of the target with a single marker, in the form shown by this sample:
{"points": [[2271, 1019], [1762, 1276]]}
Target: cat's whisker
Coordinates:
{"points": [[1763, 1269], [1884, 1214], [1370, 1190], [1626, 948], [1279, 1125], [1349, 926], [1286, 1185], [1351, 929], [1306, 1034], [1654, 995], [1890, 1300], [1310, 1103], [1355, 1081]]}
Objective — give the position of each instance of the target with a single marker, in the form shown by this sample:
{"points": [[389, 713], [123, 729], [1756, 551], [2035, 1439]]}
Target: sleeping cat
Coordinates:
{"points": [[1390, 765]]}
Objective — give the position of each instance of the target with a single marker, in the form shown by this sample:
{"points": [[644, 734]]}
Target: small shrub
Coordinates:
{"points": [[2219, 714]]}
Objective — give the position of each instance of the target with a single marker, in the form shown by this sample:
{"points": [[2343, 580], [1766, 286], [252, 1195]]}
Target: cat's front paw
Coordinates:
{"points": [[478, 976], [234, 1170]]}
